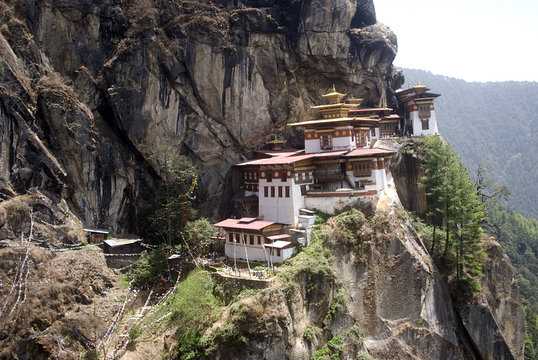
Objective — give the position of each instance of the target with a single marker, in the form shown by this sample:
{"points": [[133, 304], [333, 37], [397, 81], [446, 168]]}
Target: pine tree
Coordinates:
{"points": [[167, 221], [433, 182], [469, 214], [454, 205]]}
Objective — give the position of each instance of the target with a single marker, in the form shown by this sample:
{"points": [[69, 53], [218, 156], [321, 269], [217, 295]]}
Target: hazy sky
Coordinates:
{"points": [[474, 40]]}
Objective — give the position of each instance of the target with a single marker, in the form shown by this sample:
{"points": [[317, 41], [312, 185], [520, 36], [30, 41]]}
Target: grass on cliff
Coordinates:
{"points": [[336, 345], [315, 258], [194, 308]]}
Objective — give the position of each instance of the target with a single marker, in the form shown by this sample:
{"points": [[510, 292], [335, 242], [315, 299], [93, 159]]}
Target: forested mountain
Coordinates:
{"points": [[493, 124]]}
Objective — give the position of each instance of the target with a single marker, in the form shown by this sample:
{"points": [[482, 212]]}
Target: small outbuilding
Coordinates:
{"points": [[96, 236], [123, 246], [256, 240]]}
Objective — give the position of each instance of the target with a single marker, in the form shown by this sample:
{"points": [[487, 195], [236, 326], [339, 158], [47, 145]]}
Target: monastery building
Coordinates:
{"points": [[337, 166]]}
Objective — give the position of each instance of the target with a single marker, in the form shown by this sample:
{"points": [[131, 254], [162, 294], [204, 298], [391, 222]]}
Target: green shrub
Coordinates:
{"points": [[90, 354], [149, 268], [311, 332], [321, 354], [337, 304], [313, 259], [134, 333], [336, 345]]}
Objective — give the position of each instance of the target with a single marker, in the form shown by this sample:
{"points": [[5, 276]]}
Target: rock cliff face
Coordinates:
{"points": [[89, 90], [383, 296]]}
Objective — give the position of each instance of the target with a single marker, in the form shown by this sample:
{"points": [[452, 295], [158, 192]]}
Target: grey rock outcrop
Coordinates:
{"points": [[385, 287], [100, 86], [496, 321]]}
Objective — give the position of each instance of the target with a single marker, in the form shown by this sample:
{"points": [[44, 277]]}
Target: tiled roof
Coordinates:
{"points": [[237, 224], [368, 152]]}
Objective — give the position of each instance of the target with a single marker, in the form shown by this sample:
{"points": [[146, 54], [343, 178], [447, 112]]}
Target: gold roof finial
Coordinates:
{"points": [[418, 83], [334, 89]]}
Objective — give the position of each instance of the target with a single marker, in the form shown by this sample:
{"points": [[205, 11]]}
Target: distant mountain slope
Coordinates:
{"points": [[494, 123]]}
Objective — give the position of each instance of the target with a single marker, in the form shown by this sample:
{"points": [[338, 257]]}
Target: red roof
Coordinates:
{"points": [[284, 152], [277, 160], [368, 152], [243, 224], [329, 153]]}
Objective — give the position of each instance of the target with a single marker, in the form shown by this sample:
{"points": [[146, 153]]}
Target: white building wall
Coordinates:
{"points": [[254, 252], [298, 202], [284, 255], [277, 209], [417, 124], [312, 146], [344, 142], [380, 178]]}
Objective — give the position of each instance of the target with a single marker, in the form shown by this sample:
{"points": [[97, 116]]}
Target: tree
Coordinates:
{"points": [[167, 221], [468, 216], [198, 234], [433, 182], [486, 188], [454, 204], [149, 268]]}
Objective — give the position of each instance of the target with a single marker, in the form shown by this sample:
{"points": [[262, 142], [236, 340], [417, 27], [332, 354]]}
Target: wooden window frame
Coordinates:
{"points": [[326, 141], [362, 169]]}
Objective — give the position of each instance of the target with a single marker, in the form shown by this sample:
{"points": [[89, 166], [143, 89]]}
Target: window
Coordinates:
{"points": [[231, 237], [326, 141], [259, 239], [284, 175], [360, 137], [362, 168], [278, 252], [237, 238], [387, 129], [266, 191], [287, 191], [425, 124], [251, 239], [280, 191], [272, 191], [424, 111], [269, 176]]}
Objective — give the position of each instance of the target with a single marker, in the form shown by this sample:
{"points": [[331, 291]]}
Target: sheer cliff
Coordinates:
{"points": [[367, 288], [89, 90]]}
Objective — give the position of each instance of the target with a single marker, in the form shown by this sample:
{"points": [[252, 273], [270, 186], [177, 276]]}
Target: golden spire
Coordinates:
{"points": [[334, 97]]}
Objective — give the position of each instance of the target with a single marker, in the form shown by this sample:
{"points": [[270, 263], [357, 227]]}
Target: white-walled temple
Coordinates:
{"points": [[419, 111], [337, 166]]}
